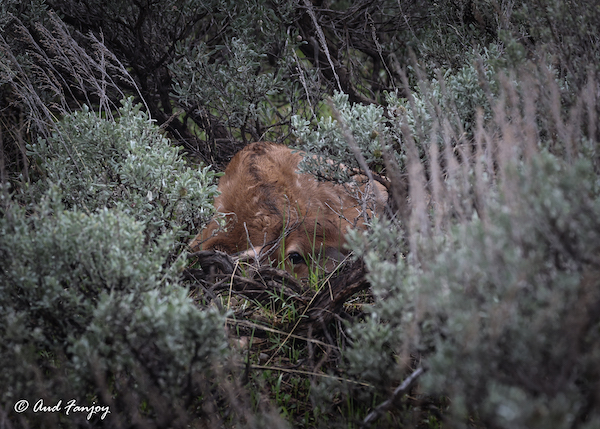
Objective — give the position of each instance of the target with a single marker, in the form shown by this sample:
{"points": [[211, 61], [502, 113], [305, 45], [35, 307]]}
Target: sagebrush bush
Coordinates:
{"points": [[127, 164], [93, 306], [518, 296], [88, 297], [501, 310], [451, 101], [234, 89], [329, 138], [239, 90], [54, 258]]}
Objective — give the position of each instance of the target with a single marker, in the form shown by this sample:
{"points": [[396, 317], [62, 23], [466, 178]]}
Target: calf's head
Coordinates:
{"points": [[273, 213]]}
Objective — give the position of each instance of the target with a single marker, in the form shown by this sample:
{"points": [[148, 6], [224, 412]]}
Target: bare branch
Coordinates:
{"points": [[386, 405]]}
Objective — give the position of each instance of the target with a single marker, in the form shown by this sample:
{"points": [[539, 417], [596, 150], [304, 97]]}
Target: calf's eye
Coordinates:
{"points": [[296, 258]]}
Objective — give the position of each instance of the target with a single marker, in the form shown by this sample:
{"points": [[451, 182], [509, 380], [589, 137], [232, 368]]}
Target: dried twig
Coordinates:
{"points": [[386, 405]]}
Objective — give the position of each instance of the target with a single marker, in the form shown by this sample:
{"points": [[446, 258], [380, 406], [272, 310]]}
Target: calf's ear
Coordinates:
{"points": [[334, 254]]}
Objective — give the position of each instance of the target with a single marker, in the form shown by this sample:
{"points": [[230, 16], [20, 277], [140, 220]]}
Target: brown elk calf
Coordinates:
{"points": [[273, 213]]}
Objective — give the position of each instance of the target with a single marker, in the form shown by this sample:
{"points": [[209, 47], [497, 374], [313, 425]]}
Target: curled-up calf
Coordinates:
{"points": [[274, 214]]}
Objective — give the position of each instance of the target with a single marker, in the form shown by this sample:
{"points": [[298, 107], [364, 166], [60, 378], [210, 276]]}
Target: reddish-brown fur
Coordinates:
{"points": [[274, 213]]}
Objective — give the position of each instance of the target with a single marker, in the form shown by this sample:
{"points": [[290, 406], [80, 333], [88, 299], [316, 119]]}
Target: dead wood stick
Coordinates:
{"points": [[386, 405]]}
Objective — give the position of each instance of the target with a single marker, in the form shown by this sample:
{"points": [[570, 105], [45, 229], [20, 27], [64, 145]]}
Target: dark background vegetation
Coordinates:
{"points": [[475, 300]]}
